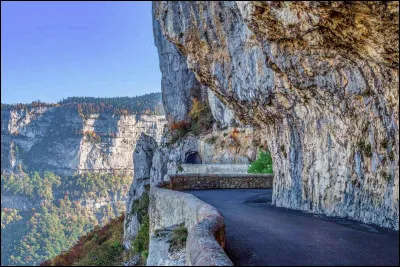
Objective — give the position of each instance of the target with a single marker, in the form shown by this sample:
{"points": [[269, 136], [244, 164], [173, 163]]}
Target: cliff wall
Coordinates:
{"points": [[318, 80], [61, 140], [138, 192]]}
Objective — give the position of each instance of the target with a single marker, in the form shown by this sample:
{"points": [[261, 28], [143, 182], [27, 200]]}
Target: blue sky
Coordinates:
{"points": [[52, 50]]}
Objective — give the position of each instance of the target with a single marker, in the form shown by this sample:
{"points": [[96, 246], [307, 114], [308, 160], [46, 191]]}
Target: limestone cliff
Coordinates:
{"points": [[318, 80], [143, 157], [180, 84], [59, 139]]}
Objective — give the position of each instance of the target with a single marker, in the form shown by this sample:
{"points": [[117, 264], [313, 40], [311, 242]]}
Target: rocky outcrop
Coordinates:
{"points": [[220, 112], [320, 82], [181, 86], [61, 140], [142, 156], [177, 77]]}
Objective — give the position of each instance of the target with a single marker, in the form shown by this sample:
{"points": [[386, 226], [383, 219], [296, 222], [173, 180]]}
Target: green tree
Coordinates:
{"points": [[263, 164]]}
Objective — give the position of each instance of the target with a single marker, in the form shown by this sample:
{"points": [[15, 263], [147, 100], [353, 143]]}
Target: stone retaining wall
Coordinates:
{"points": [[219, 181], [206, 229]]}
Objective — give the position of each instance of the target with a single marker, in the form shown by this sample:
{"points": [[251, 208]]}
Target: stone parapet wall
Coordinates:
{"points": [[219, 181], [215, 168], [206, 229]]}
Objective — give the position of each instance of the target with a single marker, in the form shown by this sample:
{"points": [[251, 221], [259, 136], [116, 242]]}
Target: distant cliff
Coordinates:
{"points": [[66, 138]]}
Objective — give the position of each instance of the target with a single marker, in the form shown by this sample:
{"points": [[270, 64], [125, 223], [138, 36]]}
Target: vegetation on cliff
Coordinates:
{"points": [[140, 244], [61, 212], [178, 238], [33, 104], [46, 184], [52, 228], [32, 186], [200, 121], [100, 247]]}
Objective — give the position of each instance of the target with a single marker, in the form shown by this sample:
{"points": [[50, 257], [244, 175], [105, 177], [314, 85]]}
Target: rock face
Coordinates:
{"points": [[229, 146], [220, 112], [18, 202], [60, 140], [142, 156], [180, 84], [176, 76], [320, 82], [160, 253]]}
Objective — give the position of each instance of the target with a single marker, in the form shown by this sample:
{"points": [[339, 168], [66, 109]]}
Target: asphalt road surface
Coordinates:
{"points": [[260, 234]]}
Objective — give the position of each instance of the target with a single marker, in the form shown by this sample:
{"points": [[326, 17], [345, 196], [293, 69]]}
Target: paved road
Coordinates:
{"points": [[260, 234]]}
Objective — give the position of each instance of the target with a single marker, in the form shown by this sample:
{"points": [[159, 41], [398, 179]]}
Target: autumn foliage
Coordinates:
{"points": [[92, 136], [235, 136], [179, 125], [100, 247], [200, 120]]}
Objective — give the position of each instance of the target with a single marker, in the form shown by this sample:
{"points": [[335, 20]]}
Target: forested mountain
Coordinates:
{"points": [[144, 104]]}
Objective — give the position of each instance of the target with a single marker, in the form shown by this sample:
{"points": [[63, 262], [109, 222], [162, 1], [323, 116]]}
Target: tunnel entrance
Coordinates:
{"points": [[193, 158]]}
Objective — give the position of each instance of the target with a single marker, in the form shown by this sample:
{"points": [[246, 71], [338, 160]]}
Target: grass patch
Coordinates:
{"points": [[159, 232], [365, 148], [178, 130], [386, 176], [361, 145], [384, 143], [178, 238], [212, 140]]}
